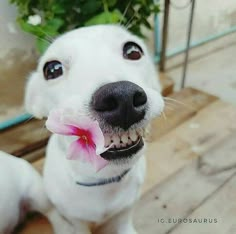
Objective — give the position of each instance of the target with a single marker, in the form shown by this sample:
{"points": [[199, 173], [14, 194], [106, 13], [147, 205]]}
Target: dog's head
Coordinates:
{"points": [[103, 72]]}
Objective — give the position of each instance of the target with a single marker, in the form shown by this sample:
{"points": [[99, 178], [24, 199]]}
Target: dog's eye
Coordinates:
{"points": [[52, 70], [132, 51]]}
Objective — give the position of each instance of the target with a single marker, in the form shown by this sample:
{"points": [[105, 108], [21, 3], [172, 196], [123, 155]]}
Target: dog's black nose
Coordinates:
{"points": [[120, 104]]}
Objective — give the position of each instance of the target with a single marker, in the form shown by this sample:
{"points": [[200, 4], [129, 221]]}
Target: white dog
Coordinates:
{"points": [[21, 191], [103, 72]]}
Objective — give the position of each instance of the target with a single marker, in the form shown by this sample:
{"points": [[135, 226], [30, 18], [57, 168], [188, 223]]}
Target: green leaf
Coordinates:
{"points": [[34, 29], [105, 18], [90, 7], [116, 16], [111, 3], [146, 23], [136, 30], [52, 27], [58, 9], [55, 23], [42, 44], [155, 8]]}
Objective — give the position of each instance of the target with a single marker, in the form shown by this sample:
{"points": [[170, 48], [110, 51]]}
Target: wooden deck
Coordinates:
{"points": [[191, 178]]}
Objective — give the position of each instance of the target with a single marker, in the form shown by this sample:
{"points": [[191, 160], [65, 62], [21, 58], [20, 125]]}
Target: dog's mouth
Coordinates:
{"points": [[123, 145]]}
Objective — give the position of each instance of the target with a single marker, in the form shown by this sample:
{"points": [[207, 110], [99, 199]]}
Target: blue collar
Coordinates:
{"points": [[111, 180]]}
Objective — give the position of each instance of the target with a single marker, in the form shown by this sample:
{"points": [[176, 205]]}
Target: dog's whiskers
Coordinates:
{"points": [[166, 99], [125, 12], [169, 108], [44, 40], [130, 21], [163, 115], [48, 37], [170, 104]]}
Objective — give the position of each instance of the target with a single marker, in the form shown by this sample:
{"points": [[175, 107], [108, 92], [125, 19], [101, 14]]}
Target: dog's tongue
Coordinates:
{"points": [[90, 142]]}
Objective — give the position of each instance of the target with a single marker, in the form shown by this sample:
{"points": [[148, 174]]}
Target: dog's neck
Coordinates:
{"points": [[85, 172], [105, 181]]}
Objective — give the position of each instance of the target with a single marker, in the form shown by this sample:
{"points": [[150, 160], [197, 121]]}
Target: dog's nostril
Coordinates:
{"points": [[140, 98]]}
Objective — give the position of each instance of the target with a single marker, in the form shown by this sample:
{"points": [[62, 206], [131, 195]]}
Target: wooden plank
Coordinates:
{"points": [[24, 138], [35, 156], [179, 107], [221, 207], [218, 164], [194, 137], [167, 84], [179, 195], [38, 165], [35, 224]]}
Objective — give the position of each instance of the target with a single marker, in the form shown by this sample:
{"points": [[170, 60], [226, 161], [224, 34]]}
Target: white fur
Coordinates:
{"points": [[20, 184], [91, 57]]}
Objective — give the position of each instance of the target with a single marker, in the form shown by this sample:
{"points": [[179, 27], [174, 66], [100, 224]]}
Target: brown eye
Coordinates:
{"points": [[132, 51], [52, 70]]}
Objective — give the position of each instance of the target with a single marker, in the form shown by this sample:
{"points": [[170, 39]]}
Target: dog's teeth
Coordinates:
{"points": [[107, 139], [124, 138], [118, 145], [133, 135], [116, 139]]}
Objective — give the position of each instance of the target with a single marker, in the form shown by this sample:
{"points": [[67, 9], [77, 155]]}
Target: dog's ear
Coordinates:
{"points": [[35, 95]]}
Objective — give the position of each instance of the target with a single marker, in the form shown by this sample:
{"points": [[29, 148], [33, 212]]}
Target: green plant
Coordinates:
{"points": [[48, 18]]}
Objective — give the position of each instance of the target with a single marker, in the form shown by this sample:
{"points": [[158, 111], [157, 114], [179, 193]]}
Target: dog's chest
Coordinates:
{"points": [[98, 203]]}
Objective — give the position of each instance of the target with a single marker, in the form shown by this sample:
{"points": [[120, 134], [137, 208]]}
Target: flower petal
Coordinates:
{"points": [[92, 126], [97, 161], [81, 122], [97, 136], [55, 124], [79, 151], [65, 122]]}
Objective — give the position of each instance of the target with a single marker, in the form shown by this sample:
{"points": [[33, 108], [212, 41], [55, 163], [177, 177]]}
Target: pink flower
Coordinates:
{"points": [[90, 142]]}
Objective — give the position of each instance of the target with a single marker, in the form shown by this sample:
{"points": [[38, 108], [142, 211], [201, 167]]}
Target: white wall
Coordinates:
{"points": [[11, 36], [17, 60]]}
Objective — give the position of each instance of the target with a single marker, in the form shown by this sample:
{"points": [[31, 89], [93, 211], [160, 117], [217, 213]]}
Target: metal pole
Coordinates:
{"points": [[189, 33], [157, 36], [164, 35]]}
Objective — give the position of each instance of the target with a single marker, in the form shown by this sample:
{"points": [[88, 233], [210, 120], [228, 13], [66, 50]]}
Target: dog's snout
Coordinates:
{"points": [[120, 103]]}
